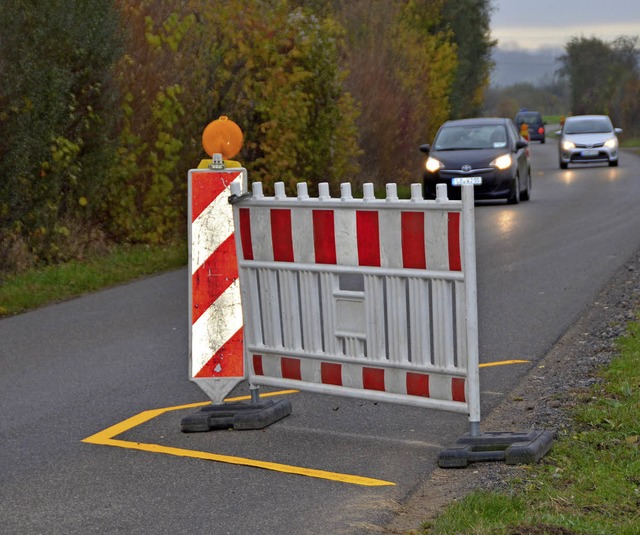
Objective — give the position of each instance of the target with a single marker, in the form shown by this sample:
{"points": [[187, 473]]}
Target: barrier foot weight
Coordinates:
{"points": [[238, 416], [512, 447]]}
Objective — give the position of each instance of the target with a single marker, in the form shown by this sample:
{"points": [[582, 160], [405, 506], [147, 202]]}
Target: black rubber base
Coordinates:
{"points": [[236, 416], [512, 447]]}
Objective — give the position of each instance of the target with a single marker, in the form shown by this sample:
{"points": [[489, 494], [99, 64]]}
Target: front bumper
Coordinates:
{"points": [[582, 155], [495, 184]]}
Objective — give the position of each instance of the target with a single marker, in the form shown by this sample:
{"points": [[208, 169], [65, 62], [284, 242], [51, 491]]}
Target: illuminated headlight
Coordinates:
{"points": [[568, 145], [611, 143], [433, 165], [502, 162]]}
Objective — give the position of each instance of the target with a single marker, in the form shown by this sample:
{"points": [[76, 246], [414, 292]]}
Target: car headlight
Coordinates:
{"points": [[433, 165], [611, 143], [502, 162], [568, 145]]}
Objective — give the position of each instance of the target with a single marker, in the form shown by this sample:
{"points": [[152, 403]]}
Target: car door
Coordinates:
{"points": [[521, 154]]}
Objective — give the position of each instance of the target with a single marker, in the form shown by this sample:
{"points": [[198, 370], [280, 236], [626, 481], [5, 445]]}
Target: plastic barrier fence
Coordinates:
{"points": [[365, 298]]}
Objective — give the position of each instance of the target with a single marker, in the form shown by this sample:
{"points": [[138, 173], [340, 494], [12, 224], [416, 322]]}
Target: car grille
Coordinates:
{"points": [[589, 145], [457, 172]]}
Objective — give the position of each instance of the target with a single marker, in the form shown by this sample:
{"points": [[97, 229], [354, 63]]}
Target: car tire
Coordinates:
{"points": [[542, 141], [613, 163], [514, 196], [563, 165]]}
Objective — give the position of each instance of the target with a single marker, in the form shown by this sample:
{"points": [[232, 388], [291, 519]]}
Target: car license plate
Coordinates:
{"points": [[472, 180], [589, 153]]}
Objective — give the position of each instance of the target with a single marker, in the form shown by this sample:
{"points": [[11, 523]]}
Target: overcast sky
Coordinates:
{"points": [[551, 23]]}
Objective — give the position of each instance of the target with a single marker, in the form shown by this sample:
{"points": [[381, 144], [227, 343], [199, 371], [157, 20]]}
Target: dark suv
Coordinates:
{"points": [[534, 121]]}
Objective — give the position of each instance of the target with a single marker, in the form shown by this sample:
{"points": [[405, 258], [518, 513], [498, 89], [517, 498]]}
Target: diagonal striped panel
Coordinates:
{"points": [[213, 277], [216, 341]]}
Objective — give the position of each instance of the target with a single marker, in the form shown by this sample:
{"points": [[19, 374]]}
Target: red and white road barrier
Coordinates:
{"points": [[215, 342], [366, 298]]}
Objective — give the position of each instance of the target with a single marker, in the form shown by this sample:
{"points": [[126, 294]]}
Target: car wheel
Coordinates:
{"points": [[526, 194], [542, 140], [613, 163], [514, 197], [563, 165]]}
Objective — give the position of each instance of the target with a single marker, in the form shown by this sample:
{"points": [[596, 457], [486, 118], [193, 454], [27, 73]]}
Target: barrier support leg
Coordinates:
{"points": [[512, 447], [255, 393], [475, 429], [257, 414]]}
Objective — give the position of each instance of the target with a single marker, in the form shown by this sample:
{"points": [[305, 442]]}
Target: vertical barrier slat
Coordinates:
{"points": [[420, 321], [397, 329], [253, 327], [270, 307], [310, 312], [329, 282], [442, 323], [290, 310], [461, 325], [375, 317]]}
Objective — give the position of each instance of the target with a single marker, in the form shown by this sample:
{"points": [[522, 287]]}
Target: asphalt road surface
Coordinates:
{"points": [[73, 370]]}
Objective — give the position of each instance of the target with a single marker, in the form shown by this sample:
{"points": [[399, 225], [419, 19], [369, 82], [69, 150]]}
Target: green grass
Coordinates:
{"points": [[551, 119], [123, 263], [590, 481]]}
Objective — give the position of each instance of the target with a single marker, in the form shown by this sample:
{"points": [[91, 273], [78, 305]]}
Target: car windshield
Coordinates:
{"points": [[588, 126], [529, 118], [470, 137]]}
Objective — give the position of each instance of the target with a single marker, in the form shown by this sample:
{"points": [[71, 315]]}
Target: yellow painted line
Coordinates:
{"points": [[106, 438], [503, 363]]}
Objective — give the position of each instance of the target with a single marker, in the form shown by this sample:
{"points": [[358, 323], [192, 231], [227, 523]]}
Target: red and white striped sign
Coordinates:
{"points": [[216, 348]]}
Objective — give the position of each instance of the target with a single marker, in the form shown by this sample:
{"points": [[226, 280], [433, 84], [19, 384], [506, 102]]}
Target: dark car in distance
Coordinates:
{"points": [[489, 148], [534, 122]]}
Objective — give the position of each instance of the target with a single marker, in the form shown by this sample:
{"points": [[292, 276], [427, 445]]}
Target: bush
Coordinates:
{"points": [[56, 124]]}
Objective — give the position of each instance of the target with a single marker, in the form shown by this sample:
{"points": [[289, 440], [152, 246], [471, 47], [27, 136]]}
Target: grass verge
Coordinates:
{"points": [[590, 481], [123, 263]]}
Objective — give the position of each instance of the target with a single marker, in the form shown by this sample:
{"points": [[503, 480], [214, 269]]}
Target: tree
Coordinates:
{"points": [[277, 72], [470, 24], [587, 64], [57, 124], [603, 77]]}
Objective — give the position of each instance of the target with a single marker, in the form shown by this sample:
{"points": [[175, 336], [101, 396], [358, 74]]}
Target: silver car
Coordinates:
{"points": [[588, 139]]}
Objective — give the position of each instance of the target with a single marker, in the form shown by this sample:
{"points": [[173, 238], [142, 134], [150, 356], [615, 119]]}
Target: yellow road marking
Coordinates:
{"points": [[503, 363], [106, 438]]}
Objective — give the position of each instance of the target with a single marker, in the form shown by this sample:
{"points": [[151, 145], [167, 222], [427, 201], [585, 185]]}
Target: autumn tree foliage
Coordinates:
{"points": [[102, 108], [410, 69]]}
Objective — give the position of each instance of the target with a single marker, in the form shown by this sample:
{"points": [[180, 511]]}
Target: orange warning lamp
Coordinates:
{"points": [[222, 136]]}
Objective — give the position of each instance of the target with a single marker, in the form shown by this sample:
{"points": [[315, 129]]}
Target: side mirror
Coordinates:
{"points": [[425, 148], [521, 144], [618, 130], [558, 132]]}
